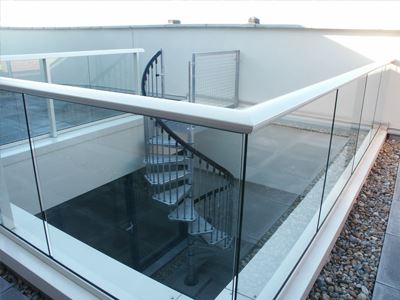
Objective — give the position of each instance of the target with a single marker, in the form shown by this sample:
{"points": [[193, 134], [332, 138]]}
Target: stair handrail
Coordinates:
{"points": [[176, 137], [147, 70]]}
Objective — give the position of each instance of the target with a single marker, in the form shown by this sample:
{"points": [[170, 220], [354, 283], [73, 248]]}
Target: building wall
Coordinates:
{"points": [[274, 61], [391, 106]]}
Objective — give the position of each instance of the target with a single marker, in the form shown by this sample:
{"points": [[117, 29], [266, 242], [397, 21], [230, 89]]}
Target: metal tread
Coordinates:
{"points": [[166, 159], [200, 226], [185, 211], [172, 196], [164, 141], [166, 177], [214, 237]]}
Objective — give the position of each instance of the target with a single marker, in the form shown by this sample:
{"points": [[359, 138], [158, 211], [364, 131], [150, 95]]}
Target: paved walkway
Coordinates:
{"points": [[9, 292], [387, 286]]}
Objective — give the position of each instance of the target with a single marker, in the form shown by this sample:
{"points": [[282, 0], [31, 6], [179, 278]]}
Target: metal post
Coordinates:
{"points": [[189, 94], [136, 68], [88, 68], [50, 103], [9, 69], [6, 217], [162, 76], [192, 97], [237, 78]]}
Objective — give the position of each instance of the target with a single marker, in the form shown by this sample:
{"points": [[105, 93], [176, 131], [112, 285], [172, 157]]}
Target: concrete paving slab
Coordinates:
{"points": [[389, 266], [12, 294], [394, 219], [4, 285], [384, 292]]}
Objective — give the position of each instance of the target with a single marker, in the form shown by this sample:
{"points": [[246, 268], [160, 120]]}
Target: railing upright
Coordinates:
{"points": [[50, 102]]}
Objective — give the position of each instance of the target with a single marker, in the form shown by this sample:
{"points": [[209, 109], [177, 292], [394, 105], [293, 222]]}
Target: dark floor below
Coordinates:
{"points": [[121, 220]]}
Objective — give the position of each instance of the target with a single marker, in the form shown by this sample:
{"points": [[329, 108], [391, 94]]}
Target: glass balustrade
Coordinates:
{"points": [[293, 165], [156, 208], [133, 200], [104, 72], [20, 201], [285, 171]]}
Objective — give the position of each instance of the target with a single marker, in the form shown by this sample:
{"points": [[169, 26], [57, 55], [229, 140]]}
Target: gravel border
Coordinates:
{"points": [[21, 284], [351, 270]]}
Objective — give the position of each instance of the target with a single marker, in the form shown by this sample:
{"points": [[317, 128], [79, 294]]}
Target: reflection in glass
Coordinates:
{"points": [[19, 199], [134, 193], [367, 116], [345, 136], [379, 102], [285, 172]]}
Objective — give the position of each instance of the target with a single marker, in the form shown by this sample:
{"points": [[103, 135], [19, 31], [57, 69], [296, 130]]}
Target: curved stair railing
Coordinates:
{"points": [[197, 189]]}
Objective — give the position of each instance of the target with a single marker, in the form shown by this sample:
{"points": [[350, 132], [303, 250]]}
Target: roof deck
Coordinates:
{"points": [[225, 164]]}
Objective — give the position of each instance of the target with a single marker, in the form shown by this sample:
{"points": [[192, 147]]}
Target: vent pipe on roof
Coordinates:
{"points": [[254, 20], [173, 21]]}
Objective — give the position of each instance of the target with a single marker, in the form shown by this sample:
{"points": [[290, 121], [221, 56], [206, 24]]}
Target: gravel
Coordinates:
{"points": [[21, 284], [352, 267]]}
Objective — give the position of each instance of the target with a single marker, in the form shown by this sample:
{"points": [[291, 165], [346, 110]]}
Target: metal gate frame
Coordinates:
{"points": [[192, 74]]}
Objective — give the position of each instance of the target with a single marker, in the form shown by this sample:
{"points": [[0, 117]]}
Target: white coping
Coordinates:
{"points": [[69, 54], [212, 26], [242, 121]]}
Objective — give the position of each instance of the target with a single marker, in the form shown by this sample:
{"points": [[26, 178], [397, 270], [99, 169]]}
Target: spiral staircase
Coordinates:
{"points": [[197, 190]]}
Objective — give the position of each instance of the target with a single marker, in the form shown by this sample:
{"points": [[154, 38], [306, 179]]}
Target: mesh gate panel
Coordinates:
{"points": [[215, 77]]}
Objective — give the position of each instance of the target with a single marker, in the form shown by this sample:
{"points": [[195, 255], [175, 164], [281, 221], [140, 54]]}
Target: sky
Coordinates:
{"points": [[327, 14]]}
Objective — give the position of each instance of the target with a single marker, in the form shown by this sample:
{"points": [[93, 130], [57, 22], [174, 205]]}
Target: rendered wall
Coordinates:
{"points": [[391, 107], [274, 61]]}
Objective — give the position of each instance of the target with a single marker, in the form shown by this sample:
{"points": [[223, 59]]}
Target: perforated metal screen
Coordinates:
{"points": [[215, 78]]}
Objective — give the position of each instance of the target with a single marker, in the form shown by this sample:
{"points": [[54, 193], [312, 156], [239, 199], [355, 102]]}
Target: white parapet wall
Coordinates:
{"points": [[274, 60], [391, 109]]}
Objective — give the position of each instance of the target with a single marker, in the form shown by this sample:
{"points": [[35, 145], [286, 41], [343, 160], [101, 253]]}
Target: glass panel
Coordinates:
{"points": [[41, 124], [30, 69], [344, 138], [12, 118], [112, 72], [70, 71], [158, 198], [285, 172], [19, 200], [367, 116], [70, 115], [105, 72], [379, 102]]}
